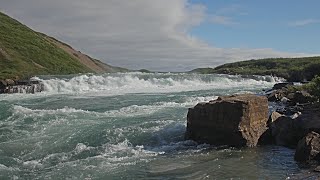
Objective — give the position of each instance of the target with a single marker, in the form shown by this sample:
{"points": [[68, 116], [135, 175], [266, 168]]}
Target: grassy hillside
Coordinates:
{"points": [[293, 69], [24, 52], [93, 64]]}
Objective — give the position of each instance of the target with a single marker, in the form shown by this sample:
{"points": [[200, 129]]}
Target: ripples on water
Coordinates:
{"points": [[128, 126]]}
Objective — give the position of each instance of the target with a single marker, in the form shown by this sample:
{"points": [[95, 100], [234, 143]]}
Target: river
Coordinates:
{"points": [[127, 126]]}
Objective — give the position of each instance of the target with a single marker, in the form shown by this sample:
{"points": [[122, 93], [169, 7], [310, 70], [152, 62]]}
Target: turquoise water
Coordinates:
{"points": [[126, 126]]}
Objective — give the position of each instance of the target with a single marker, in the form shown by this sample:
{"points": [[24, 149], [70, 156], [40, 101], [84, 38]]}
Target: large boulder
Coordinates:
{"points": [[308, 148], [266, 137], [237, 120], [283, 130]]}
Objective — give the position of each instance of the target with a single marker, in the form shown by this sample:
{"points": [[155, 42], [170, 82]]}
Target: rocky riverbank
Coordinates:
{"points": [[296, 124], [243, 120], [9, 86]]}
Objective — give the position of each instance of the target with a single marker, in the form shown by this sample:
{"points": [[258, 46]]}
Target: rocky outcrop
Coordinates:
{"points": [[308, 148], [276, 96], [237, 120], [9, 86], [309, 120], [299, 97], [281, 93], [287, 130], [283, 130], [296, 124], [10, 82], [241, 120], [282, 85]]}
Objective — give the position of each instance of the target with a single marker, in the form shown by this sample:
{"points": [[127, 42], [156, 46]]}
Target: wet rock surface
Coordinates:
{"points": [[283, 130], [308, 148], [10, 86], [242, 120], [237, 120], [296, 125]]}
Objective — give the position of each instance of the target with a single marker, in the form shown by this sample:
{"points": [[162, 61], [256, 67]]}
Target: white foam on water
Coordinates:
{"points": [[33, 164], [136, 110], [3, 167], [81, 147], [126, 151], [117, 84], [20, 110], [195, 100], [128, 141], [129, 111], [163, 136]]}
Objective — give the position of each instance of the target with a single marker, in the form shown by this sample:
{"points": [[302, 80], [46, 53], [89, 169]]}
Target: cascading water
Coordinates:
{"points": [[126, 126], [144, 83]]}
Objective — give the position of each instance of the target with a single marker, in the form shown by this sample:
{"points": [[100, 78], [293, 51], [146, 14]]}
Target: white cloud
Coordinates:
{"points": [[304, 22], [134, 34]]}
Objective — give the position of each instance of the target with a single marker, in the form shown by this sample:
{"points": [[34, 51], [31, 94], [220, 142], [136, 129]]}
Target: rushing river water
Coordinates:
{"points": [[126, 126]]}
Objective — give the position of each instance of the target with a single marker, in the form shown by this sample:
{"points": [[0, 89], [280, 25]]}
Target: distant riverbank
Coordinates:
{"points": [[292, 69]]}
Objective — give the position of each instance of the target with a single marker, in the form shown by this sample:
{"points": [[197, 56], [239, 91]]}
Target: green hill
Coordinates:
{"points": [[293, 69], [24, 52]]}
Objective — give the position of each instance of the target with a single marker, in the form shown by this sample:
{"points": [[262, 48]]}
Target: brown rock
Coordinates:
{"points": [[276, 95], [10, 82], [274, 116], [309, 119], [290, 96], [288, 130], [308, 148], [317, 169], [302, 97], [237, 120], [283, 130], [282, 85], [267, 138], [272, 96]]}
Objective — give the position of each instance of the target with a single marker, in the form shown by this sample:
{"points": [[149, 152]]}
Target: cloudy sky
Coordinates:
{"points": [[175, 35]]}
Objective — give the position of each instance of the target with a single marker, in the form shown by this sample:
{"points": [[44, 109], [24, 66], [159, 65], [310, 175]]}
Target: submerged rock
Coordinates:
{"points": [[237, 120]]}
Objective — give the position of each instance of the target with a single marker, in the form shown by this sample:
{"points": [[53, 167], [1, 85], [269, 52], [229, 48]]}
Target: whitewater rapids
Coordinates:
{"points": [[126, 126]]}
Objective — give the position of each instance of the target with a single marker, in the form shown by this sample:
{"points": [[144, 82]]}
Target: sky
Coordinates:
{"points": [[176, 35]]}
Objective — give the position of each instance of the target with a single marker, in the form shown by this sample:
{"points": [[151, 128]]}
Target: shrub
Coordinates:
{"points": [[314, 87]]}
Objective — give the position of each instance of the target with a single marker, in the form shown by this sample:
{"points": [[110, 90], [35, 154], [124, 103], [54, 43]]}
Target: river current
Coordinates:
{"points": [[127, 126]]}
